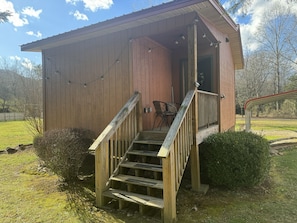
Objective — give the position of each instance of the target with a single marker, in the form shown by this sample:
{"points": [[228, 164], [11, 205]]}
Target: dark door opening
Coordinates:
{"points": [[205, 73]]}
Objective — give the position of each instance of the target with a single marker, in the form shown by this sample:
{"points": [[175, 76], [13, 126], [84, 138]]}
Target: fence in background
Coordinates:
{"points": [[13, 116]]}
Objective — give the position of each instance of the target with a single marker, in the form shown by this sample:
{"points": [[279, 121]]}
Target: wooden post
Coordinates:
{"points": [[192, 77], [192, 56], [139, 113], [169, 192], [248, 115], [101, 172]]}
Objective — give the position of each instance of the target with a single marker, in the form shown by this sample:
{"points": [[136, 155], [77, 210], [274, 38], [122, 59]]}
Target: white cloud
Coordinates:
{"points": [[258, 11], [79, 16], [29, 11], [15, 58], [31, 33], [93, 5], [15, 18], [72, 2], [27, 63]]}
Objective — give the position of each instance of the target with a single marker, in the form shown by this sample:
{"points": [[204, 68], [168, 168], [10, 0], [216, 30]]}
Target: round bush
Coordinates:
{"points": [[64, 150], [235, 159]]}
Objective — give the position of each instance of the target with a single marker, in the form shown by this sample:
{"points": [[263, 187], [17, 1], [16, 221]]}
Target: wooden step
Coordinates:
{"points": [[141, 181], [135, 198], [149, 142], [143, 153], [152, 135], [142, 166]]}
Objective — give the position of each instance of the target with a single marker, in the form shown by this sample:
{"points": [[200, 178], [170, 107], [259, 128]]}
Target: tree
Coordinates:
{"points": [[21, 90], [253, 81], [235, 5], [275, 34], [4, 16], [32, 91]]}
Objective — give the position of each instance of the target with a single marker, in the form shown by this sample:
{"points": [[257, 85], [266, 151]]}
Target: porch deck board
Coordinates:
{"points": [[141, 181], [135, 198]]}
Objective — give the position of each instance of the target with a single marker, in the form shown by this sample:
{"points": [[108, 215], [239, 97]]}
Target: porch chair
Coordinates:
{"points": [[165, 111]]}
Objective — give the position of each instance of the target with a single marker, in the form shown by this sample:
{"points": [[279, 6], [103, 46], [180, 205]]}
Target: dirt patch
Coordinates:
{"points": [[16, 149]]}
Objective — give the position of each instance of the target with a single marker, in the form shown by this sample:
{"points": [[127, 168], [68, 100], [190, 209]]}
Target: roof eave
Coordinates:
{"points": [[37, 46]]}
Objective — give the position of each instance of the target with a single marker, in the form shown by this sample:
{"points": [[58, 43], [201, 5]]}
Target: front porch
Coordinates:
{"points": [[134, 166]]}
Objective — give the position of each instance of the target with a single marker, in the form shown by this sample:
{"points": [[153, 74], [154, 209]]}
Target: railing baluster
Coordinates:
{"points": [[111, 145]]}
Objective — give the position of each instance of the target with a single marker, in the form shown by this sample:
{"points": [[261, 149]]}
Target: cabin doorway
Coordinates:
{"points": [[204, 76]]}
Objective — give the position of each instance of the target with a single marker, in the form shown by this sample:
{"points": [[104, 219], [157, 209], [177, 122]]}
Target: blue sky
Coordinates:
{"points": [[33, 20]]}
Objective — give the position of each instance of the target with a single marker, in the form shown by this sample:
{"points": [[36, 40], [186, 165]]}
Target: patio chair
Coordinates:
{"points": [[166, 112]]}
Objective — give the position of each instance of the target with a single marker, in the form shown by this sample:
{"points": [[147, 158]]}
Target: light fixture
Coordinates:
{"points": [[211, 44], [117, 61], [85, 84], [149, 50], [182, 37], [69, 82], [102, 77], [176, 42], [204, 35], [196, 84]]}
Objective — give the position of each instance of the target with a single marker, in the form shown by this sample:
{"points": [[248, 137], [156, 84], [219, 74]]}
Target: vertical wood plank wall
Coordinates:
{"points": [[151, 75], [93, 107], [85, 88], [226, 80]]}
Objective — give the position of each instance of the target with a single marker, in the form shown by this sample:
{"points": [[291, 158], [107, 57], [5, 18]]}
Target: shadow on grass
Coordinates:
{"points": [[81, 199]]}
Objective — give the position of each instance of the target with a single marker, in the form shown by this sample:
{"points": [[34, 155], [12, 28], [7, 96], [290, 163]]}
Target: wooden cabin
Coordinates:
{"points": [[105, 77]]}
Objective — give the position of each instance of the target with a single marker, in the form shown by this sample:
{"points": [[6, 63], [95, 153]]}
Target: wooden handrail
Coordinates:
{"points": [[207, 109], [176, 149], [207, 93], [171, 135], [112, 144]]}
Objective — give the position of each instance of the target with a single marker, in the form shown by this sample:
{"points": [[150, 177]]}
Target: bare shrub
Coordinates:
{"points": [[64, 150]]}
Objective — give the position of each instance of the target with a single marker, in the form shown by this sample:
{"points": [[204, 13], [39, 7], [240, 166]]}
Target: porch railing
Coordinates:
{"points": [[207, 109], [112, 144], [175, 152]]}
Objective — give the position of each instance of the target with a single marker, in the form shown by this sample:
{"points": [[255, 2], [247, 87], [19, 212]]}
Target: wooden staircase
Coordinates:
{"points": [[139, 179], [146, 168]]}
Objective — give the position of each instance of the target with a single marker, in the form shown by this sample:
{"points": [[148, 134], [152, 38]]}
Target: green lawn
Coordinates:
{"points": [[30, 195], [14, 133], [272, 129]]}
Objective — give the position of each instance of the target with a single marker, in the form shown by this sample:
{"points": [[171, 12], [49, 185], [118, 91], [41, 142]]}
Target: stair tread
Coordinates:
{"points": [[152, 135], [135, 198], [142, 166], [141, 181], [143, 152], [148, 141]]}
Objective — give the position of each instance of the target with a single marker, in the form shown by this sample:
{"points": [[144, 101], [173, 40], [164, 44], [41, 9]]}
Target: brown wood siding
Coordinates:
{"points": [[93, 106], [226, 80], [227, 88], [87, 101], [151, 75]]}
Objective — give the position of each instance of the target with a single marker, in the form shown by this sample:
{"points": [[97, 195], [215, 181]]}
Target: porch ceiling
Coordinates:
{"points": [[209, 9]]}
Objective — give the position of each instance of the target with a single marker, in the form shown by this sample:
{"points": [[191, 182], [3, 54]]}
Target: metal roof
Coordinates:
{"points": [[209, 9], [270, 98]]}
